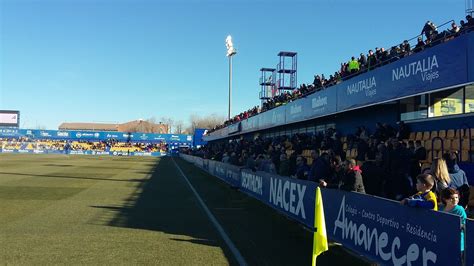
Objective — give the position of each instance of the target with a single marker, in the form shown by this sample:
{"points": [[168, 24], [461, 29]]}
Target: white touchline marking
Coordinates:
{"points": [[214, 221]]}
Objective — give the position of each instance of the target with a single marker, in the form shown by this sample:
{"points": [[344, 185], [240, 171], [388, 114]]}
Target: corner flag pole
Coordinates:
{"points": [[320, 239]]}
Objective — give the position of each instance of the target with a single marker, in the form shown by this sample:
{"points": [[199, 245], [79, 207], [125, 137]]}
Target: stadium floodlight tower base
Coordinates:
{"points": [[230, 52]]}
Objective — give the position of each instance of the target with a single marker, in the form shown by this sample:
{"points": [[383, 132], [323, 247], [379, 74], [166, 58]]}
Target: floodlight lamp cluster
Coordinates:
{"points": [[230, 46]]}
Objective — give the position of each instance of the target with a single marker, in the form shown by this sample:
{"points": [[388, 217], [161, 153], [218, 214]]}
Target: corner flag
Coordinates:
{"points": [[320, 239]]}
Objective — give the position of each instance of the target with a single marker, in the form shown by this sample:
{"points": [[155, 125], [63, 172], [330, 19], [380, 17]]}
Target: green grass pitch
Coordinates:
{"points": [[58, 209]]}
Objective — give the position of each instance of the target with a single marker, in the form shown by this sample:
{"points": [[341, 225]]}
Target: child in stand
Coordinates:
{"points": [[425, 198], [450, 199]]}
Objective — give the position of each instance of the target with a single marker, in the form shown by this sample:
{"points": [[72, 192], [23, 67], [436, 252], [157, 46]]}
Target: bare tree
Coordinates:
{"points": [[179, 127], [40, 127], [207, 122], [168, 121]]}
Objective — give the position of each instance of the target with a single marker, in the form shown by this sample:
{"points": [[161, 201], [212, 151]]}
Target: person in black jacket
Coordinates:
{"points": [[362, 62], [428, 30], [371, 60], [420, 45], [351, 179]]}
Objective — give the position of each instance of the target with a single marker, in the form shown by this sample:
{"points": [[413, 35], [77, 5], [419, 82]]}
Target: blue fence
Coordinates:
{"points": [[469, 246], [389, 233], [114, 153], [96, 136], [445, 65], [380, 229]]}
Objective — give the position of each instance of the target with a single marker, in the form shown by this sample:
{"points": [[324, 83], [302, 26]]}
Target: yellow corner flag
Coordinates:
{"points": [[320, 239]]}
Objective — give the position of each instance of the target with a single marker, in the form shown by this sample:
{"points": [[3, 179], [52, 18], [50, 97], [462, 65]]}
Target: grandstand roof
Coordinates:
{"points": [[132, 126]]}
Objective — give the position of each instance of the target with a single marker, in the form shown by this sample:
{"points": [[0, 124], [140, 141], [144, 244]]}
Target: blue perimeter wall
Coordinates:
{"points": [[380, 229]]}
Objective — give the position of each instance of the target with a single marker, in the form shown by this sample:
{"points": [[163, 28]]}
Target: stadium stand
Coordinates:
{"points": [[365, 63]]}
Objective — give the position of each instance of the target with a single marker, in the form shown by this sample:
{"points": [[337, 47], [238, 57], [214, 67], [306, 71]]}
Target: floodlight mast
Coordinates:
{"points": [[230, 52]]}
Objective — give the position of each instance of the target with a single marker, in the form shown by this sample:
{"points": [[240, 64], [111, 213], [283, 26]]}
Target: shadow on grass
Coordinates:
{"points": [[165, 203]]}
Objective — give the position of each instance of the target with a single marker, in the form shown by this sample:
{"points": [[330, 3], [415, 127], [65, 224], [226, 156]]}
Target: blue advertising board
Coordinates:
{"points": [[279, 116], [437, 67], [469, 244], [292, 197], [295, 111], [9, 132], [390, 233], [228, 173], [321, 103], [78, 152], [96, 135], [470, 54], [234, 128], [380, 229], [211, 166]]}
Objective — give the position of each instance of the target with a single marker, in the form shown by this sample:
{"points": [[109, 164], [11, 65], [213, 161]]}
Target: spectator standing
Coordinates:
{"points": [[403, 131], [399, 184], [439, 171], [454, 29], [362, 62], [458, 177], [371, 60], [428, 30], [450, 200], [320, 169], [406, 48], [469, 21], [302, 168], [351, 178], [420, 45], [284, 169], [353, 65]]}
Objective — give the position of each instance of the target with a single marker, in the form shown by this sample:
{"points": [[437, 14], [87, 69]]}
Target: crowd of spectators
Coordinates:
{"points": [[430, 36], [386, 164], [26, 143]]}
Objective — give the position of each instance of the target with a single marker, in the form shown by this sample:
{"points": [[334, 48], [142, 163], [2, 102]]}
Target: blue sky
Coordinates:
{"points": [[116, 61]]}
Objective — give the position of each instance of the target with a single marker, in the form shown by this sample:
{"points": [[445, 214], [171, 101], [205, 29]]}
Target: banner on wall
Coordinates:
{"points": [[292, 197], [469, 244], [96, 136], [87, 152], [380, 229], [390, 233]]}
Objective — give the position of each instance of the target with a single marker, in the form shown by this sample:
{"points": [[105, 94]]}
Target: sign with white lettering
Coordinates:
{"points": [[470, 52], [292, 197], [322, 103], [96, 135], [295, 111], [227, 172], [390, 233], [435, 68]]}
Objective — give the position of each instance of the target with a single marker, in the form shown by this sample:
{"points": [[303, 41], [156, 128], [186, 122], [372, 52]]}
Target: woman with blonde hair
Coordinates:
{"points": [[439, 170]]}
